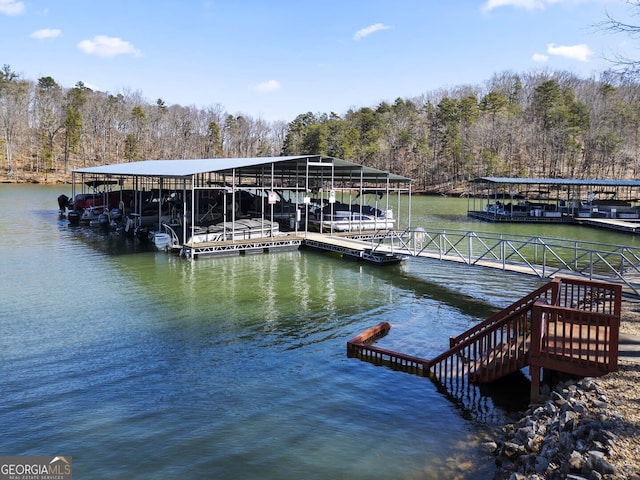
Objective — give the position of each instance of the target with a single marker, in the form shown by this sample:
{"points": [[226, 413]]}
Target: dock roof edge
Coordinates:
{"points": [[558, 181], [184, 168]]}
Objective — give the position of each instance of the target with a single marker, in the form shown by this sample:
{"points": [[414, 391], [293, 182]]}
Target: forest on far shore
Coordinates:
{"points": [[538, 124]]}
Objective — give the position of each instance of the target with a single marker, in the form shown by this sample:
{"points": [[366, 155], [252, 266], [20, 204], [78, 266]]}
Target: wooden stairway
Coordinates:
{"points": [[501, 361], [569, 325]]}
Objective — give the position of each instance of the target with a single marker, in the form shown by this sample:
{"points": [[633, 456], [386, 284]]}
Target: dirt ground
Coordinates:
{"points": [[622, 389]]}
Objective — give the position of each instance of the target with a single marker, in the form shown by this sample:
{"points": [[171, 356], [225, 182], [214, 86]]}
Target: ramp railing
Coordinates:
{"points": [[539, 256]]}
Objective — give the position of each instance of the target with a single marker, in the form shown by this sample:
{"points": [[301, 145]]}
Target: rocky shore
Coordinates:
{"points": [[575, 434], [587, 428]]}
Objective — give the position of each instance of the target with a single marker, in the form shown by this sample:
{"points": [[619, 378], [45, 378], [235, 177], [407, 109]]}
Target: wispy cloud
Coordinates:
{"points": [[365, 32], [580, 52], [268, 86], [540, 58], [104, 46], [46, 33], [526, 4], [11, 7]]}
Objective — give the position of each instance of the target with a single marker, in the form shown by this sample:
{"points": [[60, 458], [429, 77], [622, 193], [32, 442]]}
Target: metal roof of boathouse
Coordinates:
{"points": [[558, 181], [186, 168]]}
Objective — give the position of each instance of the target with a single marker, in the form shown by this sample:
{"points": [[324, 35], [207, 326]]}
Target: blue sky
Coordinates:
{"points": [[276, 59]]}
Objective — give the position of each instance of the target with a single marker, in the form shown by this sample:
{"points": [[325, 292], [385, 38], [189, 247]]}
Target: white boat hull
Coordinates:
{"points": [[353, 221], [162, 240], [245, 229]]}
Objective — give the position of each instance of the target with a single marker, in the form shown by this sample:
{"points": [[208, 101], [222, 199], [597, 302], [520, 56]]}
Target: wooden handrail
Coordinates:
{"points": [[592, 295], [579, 342], [362, 346], [506, 333], [580, 336], [547, 291]]}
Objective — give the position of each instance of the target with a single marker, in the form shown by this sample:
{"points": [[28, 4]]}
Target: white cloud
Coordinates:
{"points": [[539, 57], [580, 52], [364, 32], [104, 46], [46, 33], [268, 86], [11, 7], [527, 4]]}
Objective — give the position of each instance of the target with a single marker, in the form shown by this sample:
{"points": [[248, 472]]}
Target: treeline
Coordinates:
{"points": [[541, 124]]}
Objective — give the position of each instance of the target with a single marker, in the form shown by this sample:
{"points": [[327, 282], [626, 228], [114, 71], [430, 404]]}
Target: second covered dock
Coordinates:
{"points": [[611, 204]]}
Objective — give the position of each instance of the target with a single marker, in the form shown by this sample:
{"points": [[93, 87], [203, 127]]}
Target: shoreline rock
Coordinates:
{"points": [[574, 434]]}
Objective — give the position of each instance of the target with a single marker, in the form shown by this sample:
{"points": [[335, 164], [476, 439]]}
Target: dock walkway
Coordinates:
{"points": [[241, 247], [611, 224], [363, 247], [531, 255]]}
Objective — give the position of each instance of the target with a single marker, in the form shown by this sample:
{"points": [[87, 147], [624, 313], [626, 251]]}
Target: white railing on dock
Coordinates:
{"points": [[540, 256]]}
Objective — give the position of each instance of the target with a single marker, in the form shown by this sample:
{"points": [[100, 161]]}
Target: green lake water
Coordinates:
{"points": [[143, 365]]}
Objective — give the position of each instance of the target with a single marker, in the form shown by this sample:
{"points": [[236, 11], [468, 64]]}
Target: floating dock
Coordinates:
{"points": [[351, 248], [611, 224], [621, 225], [240, 247], [360, 248]]}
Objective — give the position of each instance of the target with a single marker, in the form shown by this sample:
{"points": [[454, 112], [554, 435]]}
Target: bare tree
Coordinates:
{"points": [[624, 64], [14, 108], [48, 121]]}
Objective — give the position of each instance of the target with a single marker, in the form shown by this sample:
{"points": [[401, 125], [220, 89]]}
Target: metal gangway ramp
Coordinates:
{"points": [[568, 325], [533, 255]]}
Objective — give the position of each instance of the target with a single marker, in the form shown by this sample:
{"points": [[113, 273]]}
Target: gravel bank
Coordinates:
{"points": [[587, 429]]}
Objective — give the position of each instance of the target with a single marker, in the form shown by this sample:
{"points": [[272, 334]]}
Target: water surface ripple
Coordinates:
{"points": [[143, 365]]}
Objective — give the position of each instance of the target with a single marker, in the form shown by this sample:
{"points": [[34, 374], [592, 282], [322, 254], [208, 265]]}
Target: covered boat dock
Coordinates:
{"points": [[229, 206], [609, 204]]}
